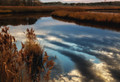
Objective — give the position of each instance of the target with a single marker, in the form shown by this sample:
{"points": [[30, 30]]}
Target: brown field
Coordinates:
{"points": [[33, 9], [94, 17], [25, 9]]}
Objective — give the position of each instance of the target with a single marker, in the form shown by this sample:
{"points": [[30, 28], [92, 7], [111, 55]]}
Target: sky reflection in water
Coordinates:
{"points": [[77, 47]]}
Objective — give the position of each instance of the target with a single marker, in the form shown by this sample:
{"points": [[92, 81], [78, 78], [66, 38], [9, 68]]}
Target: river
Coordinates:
{"points": [[81, 53]]}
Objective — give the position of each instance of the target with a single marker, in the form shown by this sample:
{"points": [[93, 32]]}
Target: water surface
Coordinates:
{"points": [[82, 53]]}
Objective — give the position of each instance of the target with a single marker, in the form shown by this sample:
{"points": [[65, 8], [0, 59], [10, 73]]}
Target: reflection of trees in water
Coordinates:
{"points": [[17, 19]]}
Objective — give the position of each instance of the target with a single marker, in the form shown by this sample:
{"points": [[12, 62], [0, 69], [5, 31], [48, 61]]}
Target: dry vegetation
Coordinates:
{"points": [[89, 16], [33, 9], [89, 8], [72, 12], [26, 9], [87, 13], [30, 64]]}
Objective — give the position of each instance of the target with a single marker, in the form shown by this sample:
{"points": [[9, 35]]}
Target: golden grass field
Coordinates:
{"points": [[89, 16], [25, 9], [15, 9]]}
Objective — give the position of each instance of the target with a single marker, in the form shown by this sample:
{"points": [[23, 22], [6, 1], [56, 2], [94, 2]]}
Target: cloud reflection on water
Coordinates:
{"points": [[89, 49]]}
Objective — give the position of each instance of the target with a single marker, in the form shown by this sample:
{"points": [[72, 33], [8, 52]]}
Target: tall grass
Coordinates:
{"points": [[10, 58], [36, 59], [26, 9], [34, 9], [89, 16], [28, 64]]}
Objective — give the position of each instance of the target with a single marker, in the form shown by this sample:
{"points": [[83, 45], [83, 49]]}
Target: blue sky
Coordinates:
{"points": [[76, 1]]}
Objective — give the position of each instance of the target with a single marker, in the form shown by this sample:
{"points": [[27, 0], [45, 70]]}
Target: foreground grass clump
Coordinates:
{"points": [[89, 16], [28, 64], [10, 58], [35, 56]]}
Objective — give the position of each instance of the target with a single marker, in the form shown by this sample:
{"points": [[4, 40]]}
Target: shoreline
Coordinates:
{"points": [[84, 23], [81, 15], [96, 19]]}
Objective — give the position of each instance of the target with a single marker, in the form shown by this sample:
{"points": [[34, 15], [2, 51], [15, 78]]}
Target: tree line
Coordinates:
{"points": [[19, 2], [115, 3]]}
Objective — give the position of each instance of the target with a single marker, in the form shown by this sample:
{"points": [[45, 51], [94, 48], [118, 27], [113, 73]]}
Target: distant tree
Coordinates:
{"points": [[19, 2]]}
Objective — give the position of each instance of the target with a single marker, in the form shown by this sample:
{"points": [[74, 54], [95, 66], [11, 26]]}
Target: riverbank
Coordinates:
{"points": [[91, 15], [24, 19], [42, 9], [98, 18]]}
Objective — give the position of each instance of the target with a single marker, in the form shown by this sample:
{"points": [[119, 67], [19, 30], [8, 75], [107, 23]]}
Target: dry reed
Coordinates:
{"points": [[33, 9], [89, 16], [28, 64]]}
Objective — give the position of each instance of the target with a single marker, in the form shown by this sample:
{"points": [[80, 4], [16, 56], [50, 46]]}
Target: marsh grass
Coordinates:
{"points": [[37, 60], [10, 58], [43, 9], [28, 64], [89, 16], [26, 9]]}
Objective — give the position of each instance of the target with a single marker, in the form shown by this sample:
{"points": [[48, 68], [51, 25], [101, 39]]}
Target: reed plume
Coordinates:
{"points": [[30, 61]]}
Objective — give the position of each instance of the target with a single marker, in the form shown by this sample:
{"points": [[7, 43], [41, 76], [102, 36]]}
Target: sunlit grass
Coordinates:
{"points": [[89, 16]]}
